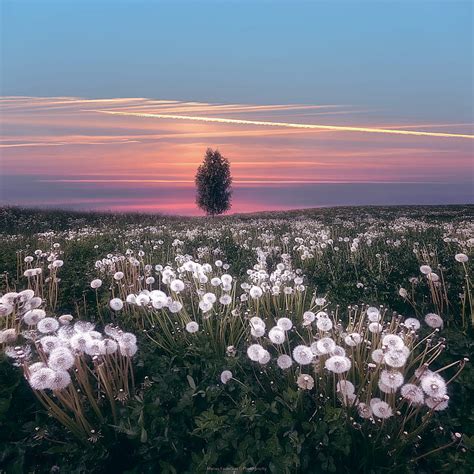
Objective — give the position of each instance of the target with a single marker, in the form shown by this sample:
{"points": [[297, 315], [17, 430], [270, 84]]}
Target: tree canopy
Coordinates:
{"points": [[214, 184]]}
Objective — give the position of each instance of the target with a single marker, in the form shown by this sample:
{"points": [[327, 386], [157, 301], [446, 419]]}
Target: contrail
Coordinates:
{"points": [[335, 128]]}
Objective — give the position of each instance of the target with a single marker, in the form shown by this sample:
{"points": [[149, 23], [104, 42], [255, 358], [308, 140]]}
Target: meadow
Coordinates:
{"points": [[325, 340]]}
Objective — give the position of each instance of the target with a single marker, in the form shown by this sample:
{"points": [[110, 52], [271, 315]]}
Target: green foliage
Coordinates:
{"points": [[184, 420], [213, 184]]}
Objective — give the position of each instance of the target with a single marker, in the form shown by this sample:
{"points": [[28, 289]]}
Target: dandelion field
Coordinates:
{"points": [[329, 340]]}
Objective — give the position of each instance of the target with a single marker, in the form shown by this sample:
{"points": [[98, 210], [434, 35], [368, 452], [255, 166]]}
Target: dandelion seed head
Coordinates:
{"points": [[47, 325], [305, 382], [284, 361], [433, 320], [433, 385], [381, 409], [285, 324], [61, 358], [192, 327], [42, 378], [226, 375], [461, 257], [254, 352], [326, 345], [412, 393], [338, 364]]}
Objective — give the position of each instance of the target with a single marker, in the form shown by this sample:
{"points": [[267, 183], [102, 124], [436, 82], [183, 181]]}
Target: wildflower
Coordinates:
{"points": [[276, 335], [61, 380], [284, 361], [346, 387], [303, 355], [433, 385], [403, 293], [256, 321], [42, 379], [36, 366], [5, 309], [33, 316], [338, 364], [437, 403], [264, 357], [192, 327], [433, 320], [395, 358], [256, 292], [225, 300], [79, 341], [127, 349], [353, 339], [26, 295], [48, 343], [257, 331], [364, 410], [226, 375], [375, 327], [412, 393], [325, 345], [308, 317], [254, 352], [393, 342], [320, 301], [324, 324], [377, 356], [205, 306], [47, 325], [177, 286], [391, 379], [142, 299], [381, 409], [95, 284], [412, 323], [83, 326], [7, 336], [461, 257], [176, 307], [118, 276], [285, 324], [231, 351], [61, 358], [116, 304], [107, 346], [425, 269], [373, 314], [226, 279], [305, 382]]}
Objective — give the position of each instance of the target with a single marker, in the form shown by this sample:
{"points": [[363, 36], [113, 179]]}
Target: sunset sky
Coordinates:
{"points": [[112, 104]]}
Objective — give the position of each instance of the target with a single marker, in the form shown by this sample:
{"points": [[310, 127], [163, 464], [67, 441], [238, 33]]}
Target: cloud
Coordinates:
{"points": [[333, 128]]}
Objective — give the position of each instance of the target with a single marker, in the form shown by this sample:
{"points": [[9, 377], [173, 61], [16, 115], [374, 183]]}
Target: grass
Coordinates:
{"points": [[181, 417]]}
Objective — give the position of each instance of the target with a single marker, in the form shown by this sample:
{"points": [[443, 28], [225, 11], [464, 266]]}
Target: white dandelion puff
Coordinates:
{"points": [[47, 325], [284, 361], [226, 375], [338, 364], [61, 358], [303, 355], [276, 335], [192, 327]]}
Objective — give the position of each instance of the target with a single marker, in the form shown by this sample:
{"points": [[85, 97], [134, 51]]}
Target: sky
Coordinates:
{"points": [[112, 104]]}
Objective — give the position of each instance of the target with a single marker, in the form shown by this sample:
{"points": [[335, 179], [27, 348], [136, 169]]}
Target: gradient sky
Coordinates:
{"points": [[94, 95]]}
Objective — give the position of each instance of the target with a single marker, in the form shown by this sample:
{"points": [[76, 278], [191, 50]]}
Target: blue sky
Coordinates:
{"points": [[412, 58], [314, 103]]}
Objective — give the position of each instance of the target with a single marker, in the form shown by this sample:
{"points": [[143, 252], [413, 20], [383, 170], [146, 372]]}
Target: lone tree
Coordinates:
{"points": [[213, 184]]}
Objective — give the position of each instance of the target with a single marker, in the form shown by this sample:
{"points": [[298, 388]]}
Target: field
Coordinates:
{"points": [[326, 340]]}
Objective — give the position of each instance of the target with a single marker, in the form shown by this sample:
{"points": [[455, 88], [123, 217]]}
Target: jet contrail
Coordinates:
{"points": [[334, 128]]}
